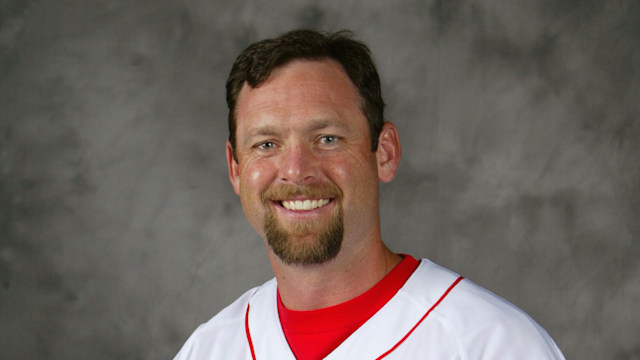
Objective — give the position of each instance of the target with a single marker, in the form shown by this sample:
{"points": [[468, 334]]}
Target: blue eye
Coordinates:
{"points": [[266, 145], [328, 139]]}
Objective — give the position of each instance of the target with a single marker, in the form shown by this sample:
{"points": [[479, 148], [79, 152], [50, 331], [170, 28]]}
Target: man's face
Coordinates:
{"points": [[305, 172]]}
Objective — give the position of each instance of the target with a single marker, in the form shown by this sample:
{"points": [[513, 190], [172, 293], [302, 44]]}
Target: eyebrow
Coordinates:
{"points": [[266, 130], [320, 124]]}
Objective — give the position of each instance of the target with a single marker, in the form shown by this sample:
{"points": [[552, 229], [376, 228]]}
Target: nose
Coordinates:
{"points": [[298, 165]]}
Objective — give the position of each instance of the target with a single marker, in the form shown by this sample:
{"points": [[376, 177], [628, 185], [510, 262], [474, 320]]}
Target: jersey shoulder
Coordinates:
{"points": [[484, 324], [223, 333]]}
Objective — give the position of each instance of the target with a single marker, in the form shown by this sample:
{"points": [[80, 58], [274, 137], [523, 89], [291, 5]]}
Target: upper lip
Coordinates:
{"points": [[302, 197]]}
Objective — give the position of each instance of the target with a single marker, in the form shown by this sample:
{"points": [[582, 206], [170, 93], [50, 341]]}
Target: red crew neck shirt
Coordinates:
{"points": [[315, 334]]}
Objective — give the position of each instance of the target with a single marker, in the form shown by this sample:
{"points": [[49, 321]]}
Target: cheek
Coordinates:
{"points": [[255, 177], [357, 173], [256, 174]]}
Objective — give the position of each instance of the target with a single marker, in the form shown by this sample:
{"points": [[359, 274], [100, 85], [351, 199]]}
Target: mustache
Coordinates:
{"points": [[288, 191]]}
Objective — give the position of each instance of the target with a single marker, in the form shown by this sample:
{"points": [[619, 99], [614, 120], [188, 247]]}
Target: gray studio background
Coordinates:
{"points": [[119, 231]]}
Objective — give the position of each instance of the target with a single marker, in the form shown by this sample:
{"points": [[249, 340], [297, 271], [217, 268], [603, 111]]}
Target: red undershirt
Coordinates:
{"points": [[314, 334]]}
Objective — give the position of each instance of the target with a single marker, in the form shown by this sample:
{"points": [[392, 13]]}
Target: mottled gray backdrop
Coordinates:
{"points": [[119, 231]]}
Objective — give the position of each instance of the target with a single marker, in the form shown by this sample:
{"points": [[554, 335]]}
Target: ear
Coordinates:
{"points": [[232, 166], [388, 152]]}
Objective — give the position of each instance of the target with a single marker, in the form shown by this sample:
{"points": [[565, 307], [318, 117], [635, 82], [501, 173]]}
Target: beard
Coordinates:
{"points": [[304, 243]]}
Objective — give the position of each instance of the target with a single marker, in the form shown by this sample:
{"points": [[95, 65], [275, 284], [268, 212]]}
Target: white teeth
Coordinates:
{"points": [[304, 204]]}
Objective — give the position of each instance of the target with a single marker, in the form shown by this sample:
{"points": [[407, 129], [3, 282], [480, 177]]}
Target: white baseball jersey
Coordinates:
{"points": [[435, 315]]}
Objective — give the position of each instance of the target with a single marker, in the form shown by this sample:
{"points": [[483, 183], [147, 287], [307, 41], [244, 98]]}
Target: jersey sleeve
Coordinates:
{"points": [[489, 327], [222, 337]]}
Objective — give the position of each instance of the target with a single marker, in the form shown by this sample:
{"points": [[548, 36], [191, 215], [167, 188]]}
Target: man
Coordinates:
{"points": [[307, 149]]}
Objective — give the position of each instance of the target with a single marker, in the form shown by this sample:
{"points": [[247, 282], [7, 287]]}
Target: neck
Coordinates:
{"points": [[349, 274]]}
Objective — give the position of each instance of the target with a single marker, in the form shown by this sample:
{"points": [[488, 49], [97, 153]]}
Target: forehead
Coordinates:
{"points": [[300, 89]]}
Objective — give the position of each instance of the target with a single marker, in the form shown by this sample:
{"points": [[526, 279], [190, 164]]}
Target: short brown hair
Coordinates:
{"points": [[255, 64]]}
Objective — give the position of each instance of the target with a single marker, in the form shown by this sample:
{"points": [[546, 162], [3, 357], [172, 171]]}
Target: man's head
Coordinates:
{"points": [[254, 65], [302, 159]]}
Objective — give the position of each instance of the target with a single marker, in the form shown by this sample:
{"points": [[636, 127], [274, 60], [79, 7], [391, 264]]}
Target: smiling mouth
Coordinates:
{"points": [[304, 205]]}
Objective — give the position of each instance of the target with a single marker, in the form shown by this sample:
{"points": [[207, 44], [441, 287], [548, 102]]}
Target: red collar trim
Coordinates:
{"points": [[356, 310]]}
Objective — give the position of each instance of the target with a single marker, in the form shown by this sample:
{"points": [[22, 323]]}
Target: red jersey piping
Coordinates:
{"points": [[246, 328], [421, 319]]}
